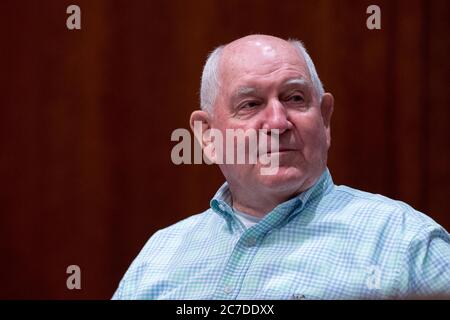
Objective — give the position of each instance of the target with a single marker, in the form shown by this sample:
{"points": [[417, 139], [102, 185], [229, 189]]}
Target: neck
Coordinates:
{"points": [[258, 203]]}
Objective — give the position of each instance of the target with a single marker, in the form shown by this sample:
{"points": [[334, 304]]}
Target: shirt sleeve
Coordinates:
{"points": [[425, 268]]}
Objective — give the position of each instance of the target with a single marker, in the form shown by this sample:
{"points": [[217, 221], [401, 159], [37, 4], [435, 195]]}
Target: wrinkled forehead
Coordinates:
{"points": [[259, 58]]}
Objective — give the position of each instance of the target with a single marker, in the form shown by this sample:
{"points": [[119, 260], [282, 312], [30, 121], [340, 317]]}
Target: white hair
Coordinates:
{"points": [[210, 81], [318, 86]]}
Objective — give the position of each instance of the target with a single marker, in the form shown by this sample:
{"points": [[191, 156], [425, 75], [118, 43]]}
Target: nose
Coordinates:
{"points": [[276, 117]]}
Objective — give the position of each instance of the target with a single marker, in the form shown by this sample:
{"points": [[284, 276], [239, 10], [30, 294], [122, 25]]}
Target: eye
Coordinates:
{"points": [[296, 98], [250, 104]]}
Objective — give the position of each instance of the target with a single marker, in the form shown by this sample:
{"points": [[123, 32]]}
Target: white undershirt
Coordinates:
{"points": [[246, 219]]}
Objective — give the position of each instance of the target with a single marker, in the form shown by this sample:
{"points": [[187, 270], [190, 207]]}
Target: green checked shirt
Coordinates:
{"points": [[330, 242]]}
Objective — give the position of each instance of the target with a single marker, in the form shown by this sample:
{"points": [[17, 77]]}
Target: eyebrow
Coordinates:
{"points": [[296, 81], [248, 91], [242, 92]]}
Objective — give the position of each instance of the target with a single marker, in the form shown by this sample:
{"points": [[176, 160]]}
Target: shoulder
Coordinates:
{"points": [[158, 253], [168, 236], [379, 207], [390, 222], [412, 243]]}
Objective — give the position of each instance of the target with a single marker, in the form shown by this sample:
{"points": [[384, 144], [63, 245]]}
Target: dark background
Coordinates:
{"points": [[86, 118]]}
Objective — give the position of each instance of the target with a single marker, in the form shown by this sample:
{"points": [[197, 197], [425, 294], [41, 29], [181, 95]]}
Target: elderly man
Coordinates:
{"points": [[292, 234]]}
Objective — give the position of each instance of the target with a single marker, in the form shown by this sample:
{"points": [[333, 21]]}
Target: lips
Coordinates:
{"points": [[280, 150]]}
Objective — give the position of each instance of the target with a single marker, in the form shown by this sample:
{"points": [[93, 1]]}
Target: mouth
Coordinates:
{"points": [[282, 150]]}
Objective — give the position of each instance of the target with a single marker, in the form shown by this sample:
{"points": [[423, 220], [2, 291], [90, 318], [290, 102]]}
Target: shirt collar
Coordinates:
{"points": [[221, 203]]}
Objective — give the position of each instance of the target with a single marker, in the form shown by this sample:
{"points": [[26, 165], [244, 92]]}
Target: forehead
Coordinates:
{"points": [[261, 62]]}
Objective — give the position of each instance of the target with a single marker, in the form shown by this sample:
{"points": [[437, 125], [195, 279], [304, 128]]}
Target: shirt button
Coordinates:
{"points": [[228, 289], [251, 242]]}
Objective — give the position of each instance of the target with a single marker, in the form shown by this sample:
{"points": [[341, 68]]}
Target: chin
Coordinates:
{"points": [[285, 178]]}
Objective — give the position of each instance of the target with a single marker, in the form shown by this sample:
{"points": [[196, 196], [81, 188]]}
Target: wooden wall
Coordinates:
{"points": [[86, 118]]}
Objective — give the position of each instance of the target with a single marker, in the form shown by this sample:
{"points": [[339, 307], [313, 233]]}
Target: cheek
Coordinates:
{"points": [[224, 122], [311, 133]]}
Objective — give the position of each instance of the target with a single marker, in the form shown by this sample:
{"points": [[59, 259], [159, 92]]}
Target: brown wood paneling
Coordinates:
{"points": [[86, 118]]}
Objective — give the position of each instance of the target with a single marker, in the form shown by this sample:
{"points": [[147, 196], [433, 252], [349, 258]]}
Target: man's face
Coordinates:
{"points": [[266, 85]]}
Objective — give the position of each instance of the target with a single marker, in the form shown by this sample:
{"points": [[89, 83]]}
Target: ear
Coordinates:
{"points": [[326, 108], [200, 123]]}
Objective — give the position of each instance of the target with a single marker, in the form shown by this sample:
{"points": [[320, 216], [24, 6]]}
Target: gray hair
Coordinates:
{"points": [[210, 84]]}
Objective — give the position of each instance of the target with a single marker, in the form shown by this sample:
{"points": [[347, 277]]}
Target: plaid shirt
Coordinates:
{"points": [[330, 242]]}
